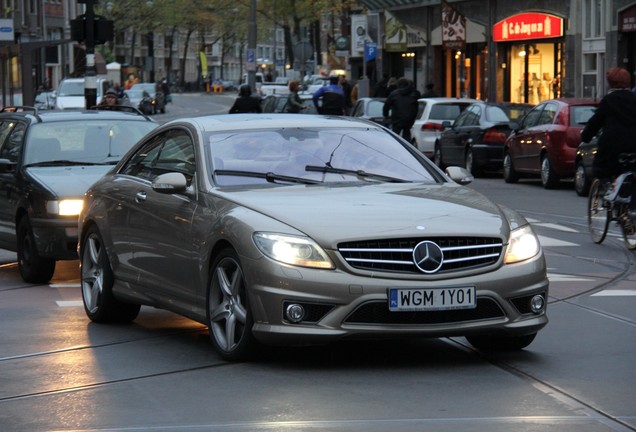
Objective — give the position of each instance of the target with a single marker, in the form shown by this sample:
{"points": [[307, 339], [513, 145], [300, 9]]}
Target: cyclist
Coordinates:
{"points": [[616, 116]]}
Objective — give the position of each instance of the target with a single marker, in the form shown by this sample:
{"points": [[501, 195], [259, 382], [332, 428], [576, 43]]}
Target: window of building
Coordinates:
{"points": [[594, 18]]}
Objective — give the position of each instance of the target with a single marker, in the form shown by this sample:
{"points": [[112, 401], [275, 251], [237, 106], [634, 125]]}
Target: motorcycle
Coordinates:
{"points": [[147, 104]]}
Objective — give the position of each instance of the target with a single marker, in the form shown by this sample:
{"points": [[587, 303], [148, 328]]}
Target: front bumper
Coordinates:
{"points": [[345, 305], [56, 238]]}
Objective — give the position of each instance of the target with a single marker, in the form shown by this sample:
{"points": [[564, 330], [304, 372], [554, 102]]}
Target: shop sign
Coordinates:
{"points": [[453, 28], [526, 26], [628, 20], [395, 33], [6, 30]]}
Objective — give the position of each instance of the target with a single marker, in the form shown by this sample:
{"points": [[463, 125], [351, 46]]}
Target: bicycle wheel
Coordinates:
{"points": [[628, 224], [598, 215]]}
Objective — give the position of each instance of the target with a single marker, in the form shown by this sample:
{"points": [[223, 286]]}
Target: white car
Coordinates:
{"points": [[431, 113], [70, 93]]}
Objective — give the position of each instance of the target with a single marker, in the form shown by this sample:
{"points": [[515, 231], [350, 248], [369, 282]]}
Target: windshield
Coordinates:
{"points": [[95, 141], [351, 155], [71, 88]]}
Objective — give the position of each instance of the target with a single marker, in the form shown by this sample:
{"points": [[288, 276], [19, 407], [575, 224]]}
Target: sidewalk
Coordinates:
{"points": [[7, 257]]}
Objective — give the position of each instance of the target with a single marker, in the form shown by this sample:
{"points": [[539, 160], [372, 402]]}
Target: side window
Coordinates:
{"points": [[532, 119], [548, 114], [462, 119], [474, 114], [142, 162], [11, 145]]}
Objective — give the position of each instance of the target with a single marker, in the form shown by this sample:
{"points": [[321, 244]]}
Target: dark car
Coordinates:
{"points": [[544, 143], [475, 140], [277, 103], [369, 108], [147, 98], [47, 161], [583, 170]]}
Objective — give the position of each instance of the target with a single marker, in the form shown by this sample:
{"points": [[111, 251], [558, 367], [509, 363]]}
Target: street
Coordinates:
{"points": [[60, 372]]}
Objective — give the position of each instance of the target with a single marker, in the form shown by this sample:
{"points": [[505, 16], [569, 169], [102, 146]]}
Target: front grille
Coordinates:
{"points": [[379, 313], [396, 255]]}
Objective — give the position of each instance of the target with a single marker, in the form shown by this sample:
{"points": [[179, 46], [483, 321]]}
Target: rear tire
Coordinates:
{"points": [[598, 215], [437, 156], [33, 267], [500, 343], [628, 224], [97, 284]]}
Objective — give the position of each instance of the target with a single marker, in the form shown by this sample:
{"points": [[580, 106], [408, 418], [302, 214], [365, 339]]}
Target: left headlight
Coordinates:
{"points": [[293, 250], [524, 244], [66, 207]]}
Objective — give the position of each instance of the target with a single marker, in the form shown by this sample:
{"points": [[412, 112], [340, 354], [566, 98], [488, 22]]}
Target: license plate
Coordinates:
{"points": [[416, 299]]}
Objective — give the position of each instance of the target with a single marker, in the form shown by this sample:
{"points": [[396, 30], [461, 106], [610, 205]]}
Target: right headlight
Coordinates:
{"points": [[293, 250], [523, 245]]}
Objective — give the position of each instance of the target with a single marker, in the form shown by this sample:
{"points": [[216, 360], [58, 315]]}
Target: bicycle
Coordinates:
{"points": [[609, 202]]}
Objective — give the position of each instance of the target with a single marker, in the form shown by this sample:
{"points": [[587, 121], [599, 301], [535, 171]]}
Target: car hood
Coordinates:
{"points": [[330, 214], [68, 181]]}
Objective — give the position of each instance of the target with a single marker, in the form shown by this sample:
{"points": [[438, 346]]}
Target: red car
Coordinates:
{"points": [[544, 143]]}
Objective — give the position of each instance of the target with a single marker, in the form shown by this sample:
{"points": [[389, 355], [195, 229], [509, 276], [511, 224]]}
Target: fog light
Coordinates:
{"points": [[295, 313], [537, 303]]}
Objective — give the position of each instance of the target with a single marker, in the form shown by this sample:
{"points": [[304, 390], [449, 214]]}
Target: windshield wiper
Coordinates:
{"points": [[269, 176], [358, 173], [62, 162]]}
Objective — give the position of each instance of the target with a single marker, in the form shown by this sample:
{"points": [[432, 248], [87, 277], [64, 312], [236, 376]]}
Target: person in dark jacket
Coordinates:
{"points": [[245, 102], [616, 116], [332, 97], [401, 107]]}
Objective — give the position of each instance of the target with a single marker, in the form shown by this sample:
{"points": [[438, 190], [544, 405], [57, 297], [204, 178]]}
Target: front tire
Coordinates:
{"points": [[598, 214], [97, 284], [228, 313], [509, 173], [582, 182], [33, 267], [549, 179], [500, 343]]}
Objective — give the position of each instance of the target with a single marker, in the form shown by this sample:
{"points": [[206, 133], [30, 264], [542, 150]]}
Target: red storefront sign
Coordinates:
{"points": [[628, 20], [526, 26]]}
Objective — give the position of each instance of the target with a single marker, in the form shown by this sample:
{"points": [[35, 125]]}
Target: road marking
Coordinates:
{"points": [[549, 241], [555, 227], [69, 303], [567, 278], [65, 285], [615, 293]]}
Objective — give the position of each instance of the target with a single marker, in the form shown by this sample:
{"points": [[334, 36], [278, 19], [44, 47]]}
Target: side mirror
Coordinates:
{"points": [[459, 175], [446, 124], [170, 183]]}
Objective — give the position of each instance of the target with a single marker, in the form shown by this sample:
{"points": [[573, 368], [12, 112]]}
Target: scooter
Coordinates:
{"points": [[147, 104]]}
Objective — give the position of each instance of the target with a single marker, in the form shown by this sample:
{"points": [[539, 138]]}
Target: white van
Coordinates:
{"points": [[258, 81], [70, 93]]}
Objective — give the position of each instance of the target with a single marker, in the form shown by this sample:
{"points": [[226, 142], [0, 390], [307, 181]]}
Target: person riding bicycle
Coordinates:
{"points": [[616, 116]]}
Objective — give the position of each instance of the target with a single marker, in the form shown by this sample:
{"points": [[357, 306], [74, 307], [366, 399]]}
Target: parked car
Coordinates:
{"points": [[431, 113], [286, 230], [369, 108], [544, 143], [45, 100], [475, 140], [147, 98], [277, 103], [268, 88], [47, 161], [583, 166], [71, 93]]}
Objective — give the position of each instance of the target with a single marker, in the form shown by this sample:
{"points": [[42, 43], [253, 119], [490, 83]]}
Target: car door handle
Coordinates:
{"points": [[141, 196]]}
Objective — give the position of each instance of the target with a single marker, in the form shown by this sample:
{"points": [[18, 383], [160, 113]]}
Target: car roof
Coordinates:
{"points": [[46, 116], [447, 99], [224, 122]]}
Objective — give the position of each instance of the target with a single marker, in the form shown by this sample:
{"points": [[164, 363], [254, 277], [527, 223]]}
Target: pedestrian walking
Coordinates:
{"points": [[330, 99], [294, 103], [245, 102], [400, 108]]}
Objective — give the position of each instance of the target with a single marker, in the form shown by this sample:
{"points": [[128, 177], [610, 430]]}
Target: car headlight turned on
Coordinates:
{"points": [[293, 250], [524, 244], [67, 207]]}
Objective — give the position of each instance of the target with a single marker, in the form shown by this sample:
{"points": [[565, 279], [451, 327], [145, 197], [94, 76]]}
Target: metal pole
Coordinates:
{"points": [[90, 78], [251, 43]]}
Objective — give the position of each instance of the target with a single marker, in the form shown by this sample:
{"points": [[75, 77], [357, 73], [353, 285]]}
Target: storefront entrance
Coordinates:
{"points": [[534, 72]]}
